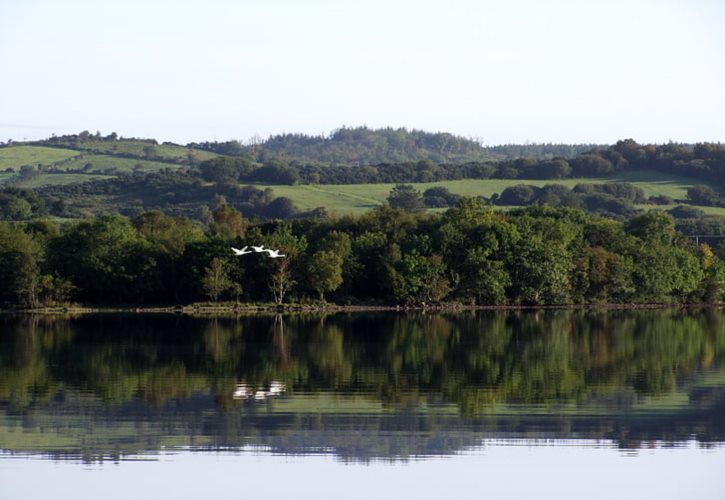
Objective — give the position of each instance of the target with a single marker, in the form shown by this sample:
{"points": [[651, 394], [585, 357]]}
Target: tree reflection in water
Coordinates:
{"points": [[365, 385]]}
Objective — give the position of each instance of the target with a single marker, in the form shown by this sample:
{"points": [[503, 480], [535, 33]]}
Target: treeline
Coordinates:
{"points": [[364, 146], [363, 155], [615, 199], [347, 146], [355, 146], [178, 192], [703, 161], [471, 254]]}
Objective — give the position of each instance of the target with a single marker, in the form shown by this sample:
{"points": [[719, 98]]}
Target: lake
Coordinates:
{"points": [[485, 404]]}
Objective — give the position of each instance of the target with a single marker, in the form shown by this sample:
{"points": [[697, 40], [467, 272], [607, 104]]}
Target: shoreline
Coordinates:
{"points": [[225, 309]]}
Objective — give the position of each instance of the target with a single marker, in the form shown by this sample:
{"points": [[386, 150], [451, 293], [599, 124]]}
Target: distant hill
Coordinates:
{"points": [[84, 157], [365, 146]]}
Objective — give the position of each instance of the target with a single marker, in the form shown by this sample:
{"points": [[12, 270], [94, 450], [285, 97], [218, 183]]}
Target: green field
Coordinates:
{"points": [[136, 148], [59, 180], [16, 156], [357, 198], [113, 164]]}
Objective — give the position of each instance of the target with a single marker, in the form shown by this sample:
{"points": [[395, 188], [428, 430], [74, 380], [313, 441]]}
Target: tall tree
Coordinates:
{"points": [[216, 282], [324, 272]]}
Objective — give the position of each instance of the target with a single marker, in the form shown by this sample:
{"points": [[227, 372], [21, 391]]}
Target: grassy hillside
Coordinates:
{"points": [[113, 164], [143, 149], [356, 198], [78, 165], [16, 156], [59, 180]]}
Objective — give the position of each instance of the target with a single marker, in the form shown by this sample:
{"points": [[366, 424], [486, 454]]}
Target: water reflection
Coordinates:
{"points": [[361, 386]]}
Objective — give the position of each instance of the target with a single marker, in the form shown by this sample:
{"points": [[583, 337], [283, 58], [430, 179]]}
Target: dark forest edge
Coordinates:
{"points": [[469, 255]]}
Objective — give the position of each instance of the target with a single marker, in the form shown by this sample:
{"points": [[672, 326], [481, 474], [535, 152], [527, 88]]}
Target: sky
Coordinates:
{"points": [[514, 71]]}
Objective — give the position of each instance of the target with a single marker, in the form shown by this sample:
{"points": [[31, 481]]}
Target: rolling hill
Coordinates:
{"points": [[358, 198]]}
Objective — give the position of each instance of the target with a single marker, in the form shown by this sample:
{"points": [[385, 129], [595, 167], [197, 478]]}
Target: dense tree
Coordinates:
{"points": [[324, 272], [418, 279], [216, 282], [406, 197], [227, 223], [705, 195], [105, 258], [472, 253], [19, 267], [437, 197]]}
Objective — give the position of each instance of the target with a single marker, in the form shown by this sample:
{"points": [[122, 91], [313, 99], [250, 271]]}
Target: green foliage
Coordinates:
{"points": [[324, 272], [362, 145], [227, 223], [20, 204], [105, 258], [406, 197], [216, 282], [417, 279], [538, 255], [705, 195], [20, 258]]}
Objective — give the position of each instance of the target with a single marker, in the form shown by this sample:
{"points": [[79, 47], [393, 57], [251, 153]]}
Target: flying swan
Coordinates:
{"points": [[274, 254]]}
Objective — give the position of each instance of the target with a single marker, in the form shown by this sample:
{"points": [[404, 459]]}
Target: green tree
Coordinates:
{"points": [[14, 208], [324, 272], [20, 258], [216, 282], [405, 196], [418, 279], [105, 258], [228, 223]]}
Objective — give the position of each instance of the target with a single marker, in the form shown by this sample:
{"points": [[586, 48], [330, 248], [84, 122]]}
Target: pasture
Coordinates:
{"points": [[51, 179], [16, 156], [113, 164], [358, 198], [142, 149]]}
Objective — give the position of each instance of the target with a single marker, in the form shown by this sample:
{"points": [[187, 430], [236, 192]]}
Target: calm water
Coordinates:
{"points": [[547, 404]]}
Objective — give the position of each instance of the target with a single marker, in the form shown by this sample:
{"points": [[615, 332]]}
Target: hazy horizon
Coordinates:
{"points": [[524, 71]]}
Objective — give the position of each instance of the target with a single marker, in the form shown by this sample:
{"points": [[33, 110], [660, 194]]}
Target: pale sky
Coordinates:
{"points": [[503, 71]]}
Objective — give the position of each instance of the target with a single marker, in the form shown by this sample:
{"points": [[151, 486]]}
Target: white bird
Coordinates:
{"points": [[258, 249], [241, 391], [274, 253], [243, 251]]}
